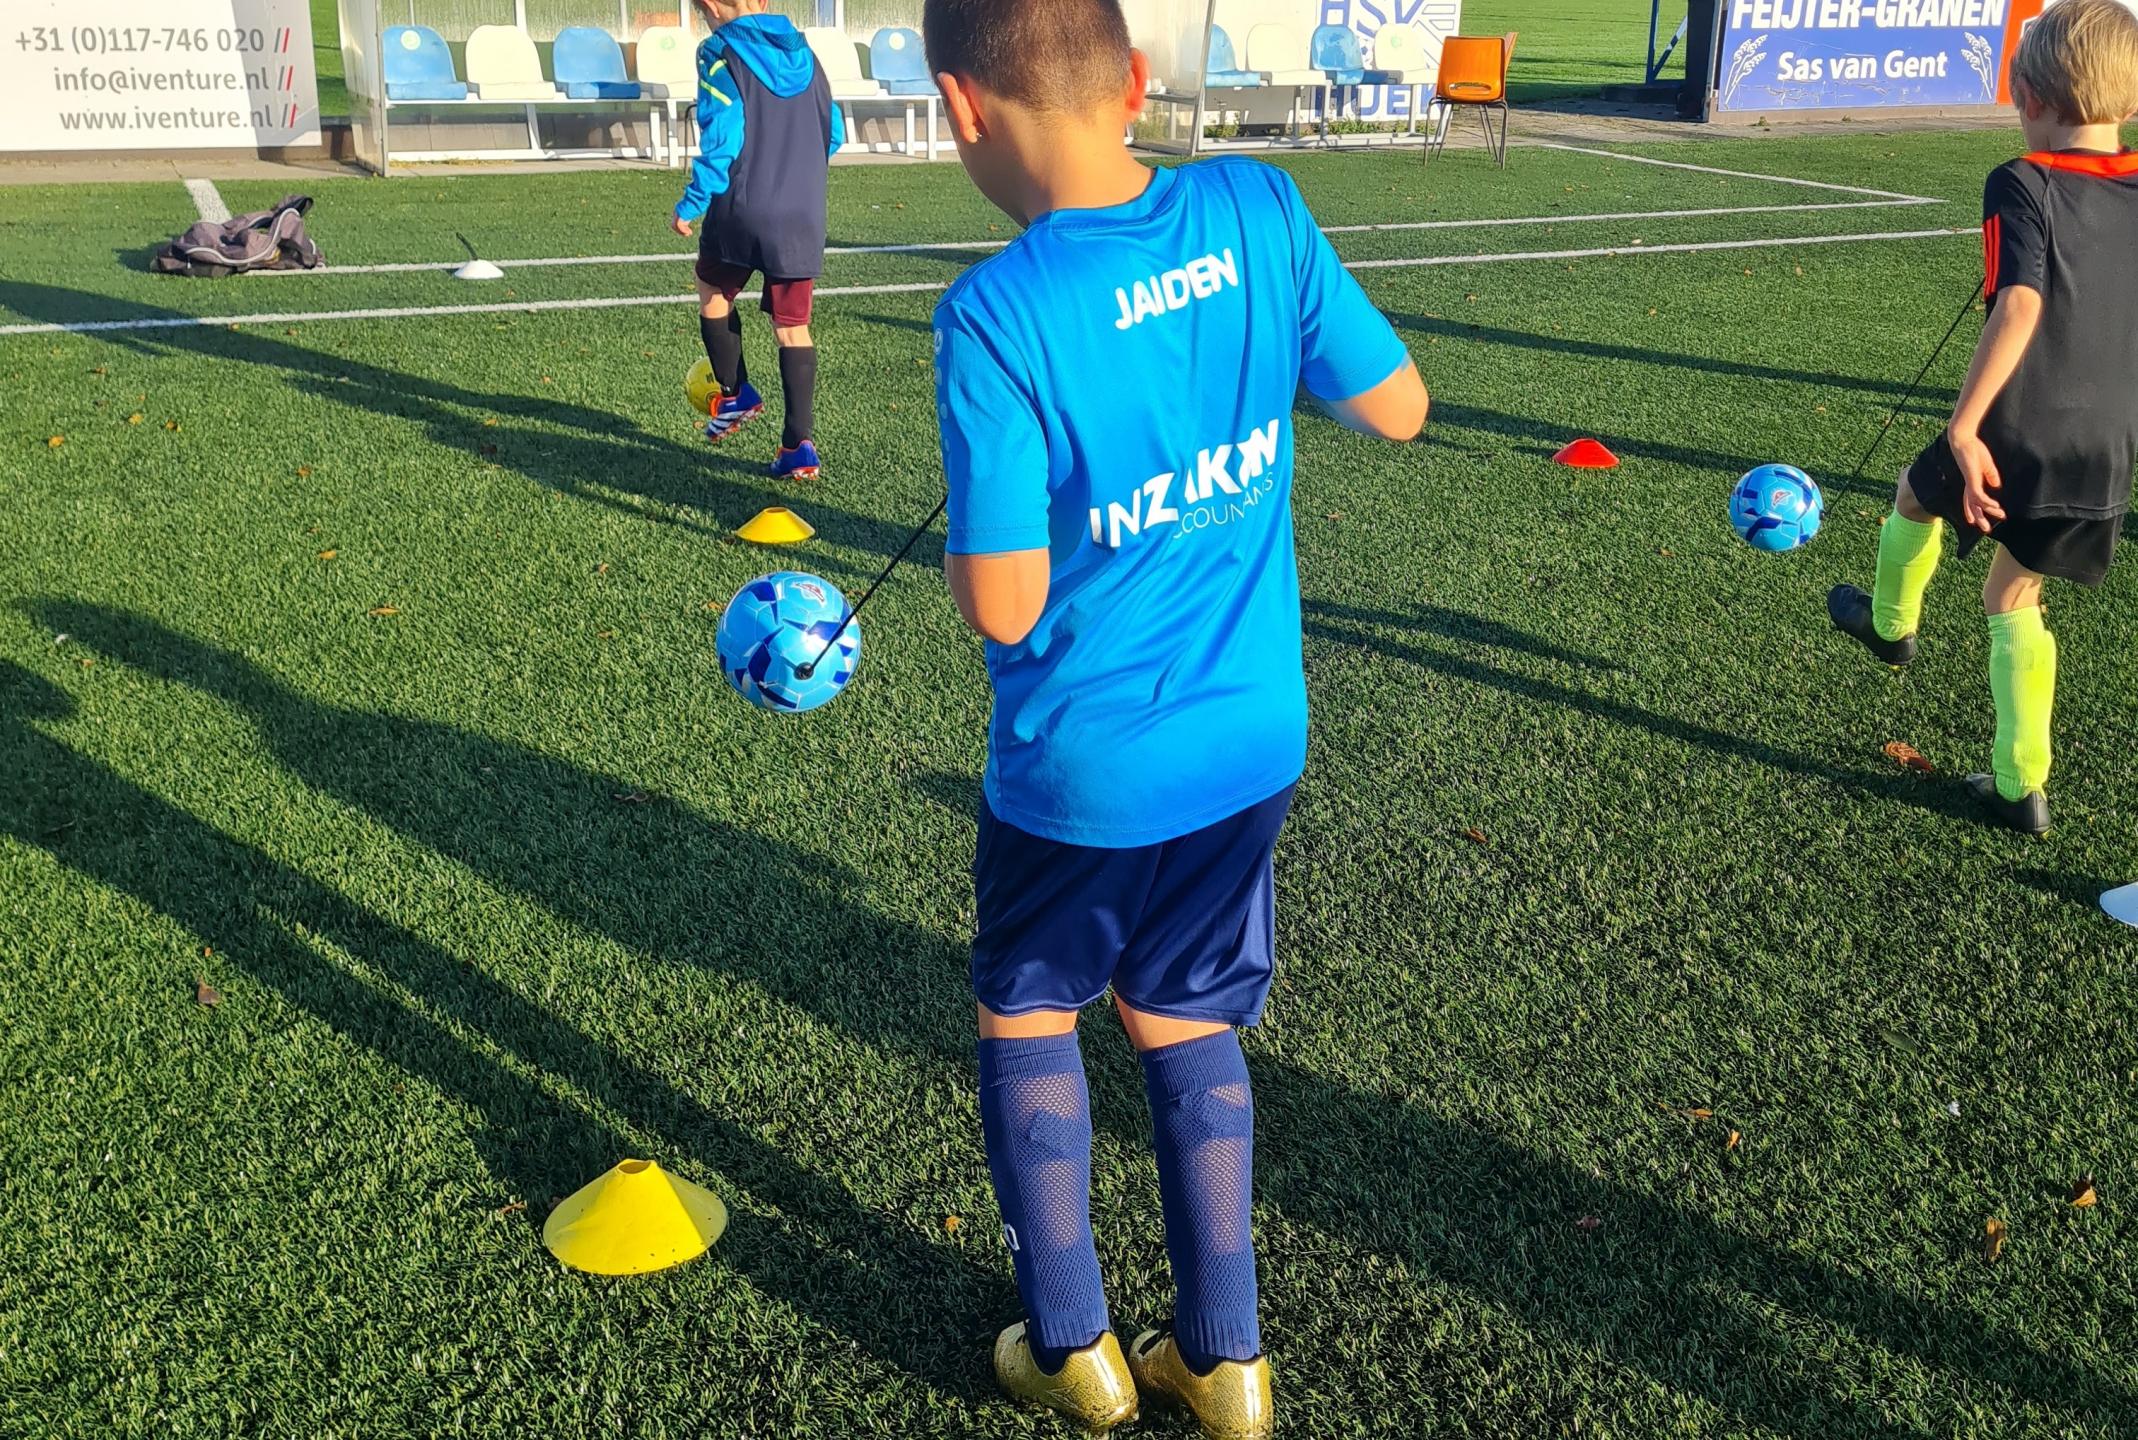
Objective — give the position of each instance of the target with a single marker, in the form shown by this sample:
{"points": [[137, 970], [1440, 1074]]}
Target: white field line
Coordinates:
{"points": [[974, 246], [529, 307], [208, 201], [1733, 174]]}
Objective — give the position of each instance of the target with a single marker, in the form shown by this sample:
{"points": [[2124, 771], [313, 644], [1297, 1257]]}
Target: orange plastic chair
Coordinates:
{"points": [[1473, 72]]}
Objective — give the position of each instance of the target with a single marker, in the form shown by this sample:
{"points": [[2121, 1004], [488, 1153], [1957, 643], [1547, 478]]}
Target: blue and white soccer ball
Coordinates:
{"points": [[774, 629], [1776, 508]]}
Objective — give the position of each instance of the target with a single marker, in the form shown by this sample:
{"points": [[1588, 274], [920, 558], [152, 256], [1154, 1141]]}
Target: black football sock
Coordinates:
{"points": [[798, 378], [723, 347]]}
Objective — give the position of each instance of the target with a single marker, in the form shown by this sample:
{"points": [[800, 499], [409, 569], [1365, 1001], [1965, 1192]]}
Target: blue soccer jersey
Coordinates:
{"points": [[1117, 388]]}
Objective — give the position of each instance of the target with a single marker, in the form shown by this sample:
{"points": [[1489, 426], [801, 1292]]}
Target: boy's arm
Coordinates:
{"points": [[2015, 242], [1395, 409], [2004, 341], [1000, 596], [997, 556], [719, 140], [1351, 359]]}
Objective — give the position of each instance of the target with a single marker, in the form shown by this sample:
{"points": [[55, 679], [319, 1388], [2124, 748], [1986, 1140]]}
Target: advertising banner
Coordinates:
{"points": [[157, 75], [1865, 54]]}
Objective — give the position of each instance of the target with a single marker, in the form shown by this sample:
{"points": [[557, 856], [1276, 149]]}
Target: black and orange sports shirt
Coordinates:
{"points": [[2064, 429]]}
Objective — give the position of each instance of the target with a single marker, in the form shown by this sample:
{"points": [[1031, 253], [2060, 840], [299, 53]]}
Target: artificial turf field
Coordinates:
{"points": [[1648, 1053]]}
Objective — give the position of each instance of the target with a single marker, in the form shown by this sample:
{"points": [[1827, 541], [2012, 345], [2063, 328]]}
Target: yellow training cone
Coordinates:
{"points": [[776, 526], [634, 1219]]}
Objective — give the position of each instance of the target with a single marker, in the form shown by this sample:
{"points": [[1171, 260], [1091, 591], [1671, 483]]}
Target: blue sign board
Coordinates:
{"points": [[1860, 54]]}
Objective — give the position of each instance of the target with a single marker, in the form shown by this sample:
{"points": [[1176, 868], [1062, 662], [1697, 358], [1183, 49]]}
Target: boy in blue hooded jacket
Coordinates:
{"points": [[767, 127]]}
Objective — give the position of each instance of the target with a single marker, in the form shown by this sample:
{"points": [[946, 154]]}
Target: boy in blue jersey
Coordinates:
{"points": [[1115, 391], [767, 127]]}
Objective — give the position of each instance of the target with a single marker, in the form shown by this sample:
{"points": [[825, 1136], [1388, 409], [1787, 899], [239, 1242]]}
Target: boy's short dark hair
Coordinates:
{"points": [[1062, 55]]}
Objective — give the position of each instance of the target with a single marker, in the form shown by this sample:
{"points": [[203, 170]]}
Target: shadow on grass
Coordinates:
{"points": [[1357, 631], [1662, 1289], [593, 455], [1933, 397], [916, 1307]]}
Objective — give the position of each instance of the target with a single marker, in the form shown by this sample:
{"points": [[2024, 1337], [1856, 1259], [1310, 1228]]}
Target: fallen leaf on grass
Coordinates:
{"points": [[1476, 835], [304, 472], [1992, 1238], [55, 442], [136, 418], [384, 610], [1908, 756], [171, 425], [512, 1209], [1734, 1141], [1589, 1224], [602, 568], [951, 1224], [206, 995], [328, 554], [2083, 1195], [605, 634]]}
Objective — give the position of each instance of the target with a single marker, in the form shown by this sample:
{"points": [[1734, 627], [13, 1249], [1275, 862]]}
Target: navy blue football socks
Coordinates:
{"points": [[1203, 1126], [1036, 1115]]}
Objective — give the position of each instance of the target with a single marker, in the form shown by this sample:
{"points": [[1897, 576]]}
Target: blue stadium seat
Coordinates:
{"points": [[419, 67], [589, 65], [1338, 54], [1221, 71], [898, 64]]}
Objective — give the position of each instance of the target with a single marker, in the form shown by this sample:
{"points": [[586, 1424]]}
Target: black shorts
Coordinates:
{"points": [[2076, 550]]}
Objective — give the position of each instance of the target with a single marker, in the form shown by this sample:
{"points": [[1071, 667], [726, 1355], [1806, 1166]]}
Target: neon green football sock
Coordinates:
{"points": [[1907, 558], [2023, 680]]}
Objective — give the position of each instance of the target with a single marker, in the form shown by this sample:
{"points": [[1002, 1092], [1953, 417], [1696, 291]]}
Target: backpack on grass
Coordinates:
{"points": [[265, 240]]}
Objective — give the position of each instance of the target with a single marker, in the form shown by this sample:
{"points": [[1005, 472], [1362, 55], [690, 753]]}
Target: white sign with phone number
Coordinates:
{"points": [[157, 75]]}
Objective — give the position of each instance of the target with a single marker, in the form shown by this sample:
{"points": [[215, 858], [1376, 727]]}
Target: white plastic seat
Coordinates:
{"points": [[1408, 49], [841, 58], [667, 71], [502, 65], [1282, 53], [667, 63]]}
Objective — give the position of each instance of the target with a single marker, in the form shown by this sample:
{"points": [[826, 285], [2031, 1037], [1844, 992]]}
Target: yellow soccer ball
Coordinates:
{"points": [[701, 388]]}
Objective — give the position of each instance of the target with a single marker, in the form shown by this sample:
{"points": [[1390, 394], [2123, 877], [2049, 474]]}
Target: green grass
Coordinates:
{"points": [[504, 886], [1575, 47], [326, 58]]}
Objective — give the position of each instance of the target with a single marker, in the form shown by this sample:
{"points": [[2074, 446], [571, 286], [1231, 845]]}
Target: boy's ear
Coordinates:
{"points": [[1139, 84], [961, 100]]}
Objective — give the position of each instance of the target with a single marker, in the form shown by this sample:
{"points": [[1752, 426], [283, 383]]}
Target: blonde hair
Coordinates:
{"points": [[2081, 60]]}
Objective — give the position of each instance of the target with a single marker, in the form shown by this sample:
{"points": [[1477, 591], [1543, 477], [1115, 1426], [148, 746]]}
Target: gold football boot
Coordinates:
{"points": [[1093, 1386], [1232, 1402]]}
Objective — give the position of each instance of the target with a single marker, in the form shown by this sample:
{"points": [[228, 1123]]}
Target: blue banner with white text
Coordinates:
{"points": [[1861, 54]]}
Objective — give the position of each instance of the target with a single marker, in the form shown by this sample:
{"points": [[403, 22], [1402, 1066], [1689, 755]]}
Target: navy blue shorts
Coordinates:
{"points": [[1185, 928]]}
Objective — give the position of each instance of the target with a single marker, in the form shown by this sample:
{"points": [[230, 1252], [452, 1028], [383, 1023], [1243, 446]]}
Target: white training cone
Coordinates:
{"points": [[478, 270], [2122, 904]]}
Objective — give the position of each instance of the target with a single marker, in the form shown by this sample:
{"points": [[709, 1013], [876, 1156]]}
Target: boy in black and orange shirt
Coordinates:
{"points": [[2040, 451]]}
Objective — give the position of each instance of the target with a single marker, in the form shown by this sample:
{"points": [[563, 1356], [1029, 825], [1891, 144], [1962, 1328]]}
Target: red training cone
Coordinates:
{"points": [[1586, 454]]}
